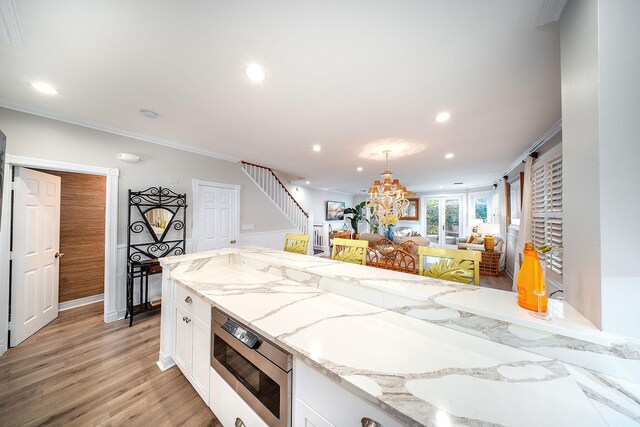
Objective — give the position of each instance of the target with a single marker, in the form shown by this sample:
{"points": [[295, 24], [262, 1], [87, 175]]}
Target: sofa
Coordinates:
{"points": [[498, 247]]}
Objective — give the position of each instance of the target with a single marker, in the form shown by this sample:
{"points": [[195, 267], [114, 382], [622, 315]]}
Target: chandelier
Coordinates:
{"points": [[387, 197]]}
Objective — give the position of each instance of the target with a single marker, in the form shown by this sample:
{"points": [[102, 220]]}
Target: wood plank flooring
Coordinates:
{"points": [[80, 371]]}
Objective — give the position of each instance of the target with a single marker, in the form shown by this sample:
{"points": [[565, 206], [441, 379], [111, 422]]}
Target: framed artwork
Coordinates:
{"points": [[412, 212], [335, 210]]}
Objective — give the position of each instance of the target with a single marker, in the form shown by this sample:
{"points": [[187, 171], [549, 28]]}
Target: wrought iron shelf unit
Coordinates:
{"points": [[156, 228]]}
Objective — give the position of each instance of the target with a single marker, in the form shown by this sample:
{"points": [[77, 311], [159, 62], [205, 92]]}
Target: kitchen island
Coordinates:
{"points": [[398, 348]]}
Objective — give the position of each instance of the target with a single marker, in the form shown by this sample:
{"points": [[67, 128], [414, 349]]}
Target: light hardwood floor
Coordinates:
{"points": [[80, 371]]}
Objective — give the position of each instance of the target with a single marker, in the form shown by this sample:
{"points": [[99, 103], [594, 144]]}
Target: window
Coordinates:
{"points": [[514, 197], [480, 209], [546, 210], [495, 206]]}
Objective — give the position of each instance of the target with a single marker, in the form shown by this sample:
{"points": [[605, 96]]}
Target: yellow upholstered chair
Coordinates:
{"points": [[347, 250], [460, 266], [296, 243]]}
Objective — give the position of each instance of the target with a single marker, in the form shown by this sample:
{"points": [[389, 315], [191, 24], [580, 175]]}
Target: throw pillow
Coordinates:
{"points": [[478, 241], [473, 237]]}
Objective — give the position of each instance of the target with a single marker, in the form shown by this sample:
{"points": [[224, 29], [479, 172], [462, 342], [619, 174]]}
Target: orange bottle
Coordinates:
{"points": [[530, 279]]}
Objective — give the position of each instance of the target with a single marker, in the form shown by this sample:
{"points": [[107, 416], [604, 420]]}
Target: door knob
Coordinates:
{"points": [[59, 254], [232, 242]]}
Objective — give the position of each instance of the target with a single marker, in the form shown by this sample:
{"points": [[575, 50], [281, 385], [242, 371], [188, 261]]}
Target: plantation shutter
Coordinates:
{"points": [[546, 210]]}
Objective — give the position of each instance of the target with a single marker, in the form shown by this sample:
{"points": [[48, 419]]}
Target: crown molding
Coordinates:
{"points": [[96, 126], [553, 130], [550, 11], [10, 32]]}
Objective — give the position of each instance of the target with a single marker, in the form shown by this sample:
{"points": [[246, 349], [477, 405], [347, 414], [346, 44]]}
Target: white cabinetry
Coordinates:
{"points": [[182, 339], [307, 417], [192, 339], [319, 402], [228, 407]]}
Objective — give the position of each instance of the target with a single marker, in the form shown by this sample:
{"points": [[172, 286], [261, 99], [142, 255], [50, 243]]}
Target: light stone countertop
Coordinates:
{"points": [[421, 349]]}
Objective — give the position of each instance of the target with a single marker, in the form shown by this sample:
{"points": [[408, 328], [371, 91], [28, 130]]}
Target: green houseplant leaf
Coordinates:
{"points": [[358, 215]]}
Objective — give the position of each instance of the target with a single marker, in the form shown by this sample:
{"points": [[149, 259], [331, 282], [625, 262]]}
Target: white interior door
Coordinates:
{"points": [[36, 243], [217, 217]]}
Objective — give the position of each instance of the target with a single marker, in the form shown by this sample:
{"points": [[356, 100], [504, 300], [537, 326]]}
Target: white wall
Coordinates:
{"points": [[619, 60], [581, 186], [600, 109], [314, 200], [33, 136]]}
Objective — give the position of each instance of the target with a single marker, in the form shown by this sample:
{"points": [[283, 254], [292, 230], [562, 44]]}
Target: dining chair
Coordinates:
{"points": [[383, 241], [410, 247], [347, 250], [399, 260], [296, 243], [460, 266], [372, 257]]}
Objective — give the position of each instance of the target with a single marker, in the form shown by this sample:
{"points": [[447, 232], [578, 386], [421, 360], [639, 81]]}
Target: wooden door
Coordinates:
{"points": [[35, 255]]}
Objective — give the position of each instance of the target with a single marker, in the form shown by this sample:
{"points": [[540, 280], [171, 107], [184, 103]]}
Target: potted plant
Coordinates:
{"points": [[357, 216]]}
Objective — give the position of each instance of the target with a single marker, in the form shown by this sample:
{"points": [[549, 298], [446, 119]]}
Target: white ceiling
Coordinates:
{"points": [[341, 74]]}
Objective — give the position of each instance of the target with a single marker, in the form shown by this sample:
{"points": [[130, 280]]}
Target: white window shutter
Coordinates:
{"points": [[546, 209]]}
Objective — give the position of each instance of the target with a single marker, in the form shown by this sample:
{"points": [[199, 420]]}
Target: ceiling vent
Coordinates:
{"points": [[550, 11], [10, 33]]}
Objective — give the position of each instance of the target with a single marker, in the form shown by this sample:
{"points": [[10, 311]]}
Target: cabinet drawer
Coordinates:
{"points": [[227, 406], [305, 416], [193, 303], [335, 405]]}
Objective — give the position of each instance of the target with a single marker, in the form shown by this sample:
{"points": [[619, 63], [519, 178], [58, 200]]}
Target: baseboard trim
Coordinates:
{"points": [[67, 305], [114, 315], [165, 362]]}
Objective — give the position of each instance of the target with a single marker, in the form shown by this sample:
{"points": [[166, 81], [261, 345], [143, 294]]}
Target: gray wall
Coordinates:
{"points": [[601, 130], [34, 136]]}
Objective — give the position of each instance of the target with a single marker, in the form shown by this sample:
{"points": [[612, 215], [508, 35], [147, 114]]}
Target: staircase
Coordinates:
{"points": [[271, 185]]}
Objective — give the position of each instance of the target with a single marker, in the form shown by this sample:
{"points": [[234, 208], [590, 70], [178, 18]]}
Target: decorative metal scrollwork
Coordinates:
{"points": [[157, 224]]}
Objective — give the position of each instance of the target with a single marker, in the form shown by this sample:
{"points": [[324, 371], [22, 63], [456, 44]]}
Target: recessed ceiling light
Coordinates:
{"points": [[360, 169], [317, 148], [441, 186], [45, 88], [149, 114], [255, 73], [448, 156], [443, 117], [307, 182]]}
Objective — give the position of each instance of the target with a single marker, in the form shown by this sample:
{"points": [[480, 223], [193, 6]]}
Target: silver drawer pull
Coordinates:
{"points": [[239, 423], [188, 300], [368, 422], [188, 320]]}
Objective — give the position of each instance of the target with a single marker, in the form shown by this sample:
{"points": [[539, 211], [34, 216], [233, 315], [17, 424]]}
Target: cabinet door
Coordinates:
{"points": [[201, 362], [307, 417], [183, 340]]}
